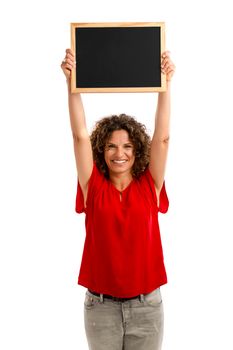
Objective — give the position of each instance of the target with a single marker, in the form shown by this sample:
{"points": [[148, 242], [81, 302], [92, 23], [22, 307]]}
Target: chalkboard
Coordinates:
{"points": [[118, 57]]}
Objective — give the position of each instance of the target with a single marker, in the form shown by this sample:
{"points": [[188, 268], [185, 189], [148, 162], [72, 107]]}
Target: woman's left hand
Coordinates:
{"points": [[167, 66]]}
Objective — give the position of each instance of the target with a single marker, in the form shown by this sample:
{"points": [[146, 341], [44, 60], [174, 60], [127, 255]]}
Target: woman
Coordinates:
{"points": [[121, 189]]}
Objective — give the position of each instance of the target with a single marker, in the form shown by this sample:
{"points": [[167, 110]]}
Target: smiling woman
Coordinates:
{"points": [[121, 190]]}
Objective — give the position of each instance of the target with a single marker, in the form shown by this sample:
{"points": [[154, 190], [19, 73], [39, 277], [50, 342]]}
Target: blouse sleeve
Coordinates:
{"points": [[163, 198], [93, 184]]}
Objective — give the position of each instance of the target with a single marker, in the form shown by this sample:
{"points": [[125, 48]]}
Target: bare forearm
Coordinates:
{"points": [[77, 114], [162, 116]]}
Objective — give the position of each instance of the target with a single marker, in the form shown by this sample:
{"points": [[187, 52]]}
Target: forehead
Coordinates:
{"points": [[119, 136]]}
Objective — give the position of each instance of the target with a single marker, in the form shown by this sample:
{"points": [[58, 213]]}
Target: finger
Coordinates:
{"points": [[170, 67], [70, 61], [166, 54], [164, 60], [163, 71], [72, 58], [166, 63], [68, 66], [169, 63], [170, 71], [170, 74], [70, 52]]}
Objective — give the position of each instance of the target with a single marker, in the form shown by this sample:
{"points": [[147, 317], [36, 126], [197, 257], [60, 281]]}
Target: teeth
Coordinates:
{"points": [[119, 161]]}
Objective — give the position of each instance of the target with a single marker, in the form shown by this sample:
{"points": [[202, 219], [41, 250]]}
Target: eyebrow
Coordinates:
{"points": [[127, 143]]}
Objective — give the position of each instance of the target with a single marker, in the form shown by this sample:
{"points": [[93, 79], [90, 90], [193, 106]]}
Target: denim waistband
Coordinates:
{"points": [[114, 298]]}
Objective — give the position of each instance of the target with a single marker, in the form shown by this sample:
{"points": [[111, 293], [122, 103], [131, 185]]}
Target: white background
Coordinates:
{"points": [[41, 305]]}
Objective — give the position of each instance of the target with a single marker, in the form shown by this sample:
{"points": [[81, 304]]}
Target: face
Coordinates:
{"points": [[119, 152]]}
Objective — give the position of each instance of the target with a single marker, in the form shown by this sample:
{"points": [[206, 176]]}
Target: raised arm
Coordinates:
{"points": [[160, 139], [81, 139]]}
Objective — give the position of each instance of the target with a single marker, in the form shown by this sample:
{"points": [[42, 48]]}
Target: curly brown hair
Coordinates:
{"points": [[137, 135]]}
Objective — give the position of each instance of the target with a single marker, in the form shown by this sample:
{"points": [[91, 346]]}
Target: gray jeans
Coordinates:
{"points": [[135, 324]]}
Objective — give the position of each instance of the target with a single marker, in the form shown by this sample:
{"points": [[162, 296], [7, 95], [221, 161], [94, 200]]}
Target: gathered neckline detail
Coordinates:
{"points": [[121, 191]]}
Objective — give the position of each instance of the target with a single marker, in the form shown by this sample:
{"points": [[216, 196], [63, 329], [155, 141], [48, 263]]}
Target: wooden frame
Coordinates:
{"points": [[74, 26]]}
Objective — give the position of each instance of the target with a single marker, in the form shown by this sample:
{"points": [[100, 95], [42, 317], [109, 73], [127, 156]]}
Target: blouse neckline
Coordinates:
{"points": [[121, 191]]}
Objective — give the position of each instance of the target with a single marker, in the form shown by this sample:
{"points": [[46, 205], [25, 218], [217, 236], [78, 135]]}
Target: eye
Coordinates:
{"points": [[110, 146], [128, 146]]}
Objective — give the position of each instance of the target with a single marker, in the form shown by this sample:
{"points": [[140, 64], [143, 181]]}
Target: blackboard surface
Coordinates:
{"points": [[114, 58]]}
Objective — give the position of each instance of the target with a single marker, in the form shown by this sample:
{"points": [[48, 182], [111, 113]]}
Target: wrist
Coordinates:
{"points": [[168, 83], [68, 82]]}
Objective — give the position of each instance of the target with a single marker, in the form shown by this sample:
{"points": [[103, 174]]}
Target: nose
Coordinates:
{"points": [[119, 151]]}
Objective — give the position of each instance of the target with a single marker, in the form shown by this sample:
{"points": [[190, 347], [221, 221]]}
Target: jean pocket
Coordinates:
{"points": [[90, 302], [154, 298]]}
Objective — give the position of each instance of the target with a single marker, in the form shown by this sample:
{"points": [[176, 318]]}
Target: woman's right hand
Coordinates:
{"points": [[68, 63]]}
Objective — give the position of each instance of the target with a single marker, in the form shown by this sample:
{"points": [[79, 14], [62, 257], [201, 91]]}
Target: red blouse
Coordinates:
{"points": [[122, 253]]}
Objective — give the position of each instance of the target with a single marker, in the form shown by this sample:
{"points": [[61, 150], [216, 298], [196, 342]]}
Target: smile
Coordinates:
{"points": [[119, 161]]}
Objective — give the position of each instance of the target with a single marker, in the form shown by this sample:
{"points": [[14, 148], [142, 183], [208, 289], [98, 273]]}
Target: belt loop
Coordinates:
{"points": [[101, 298], [142, 298]]}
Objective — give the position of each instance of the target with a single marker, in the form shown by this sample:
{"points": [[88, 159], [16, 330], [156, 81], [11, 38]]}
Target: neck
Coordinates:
{"points": [[121, 180]]}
